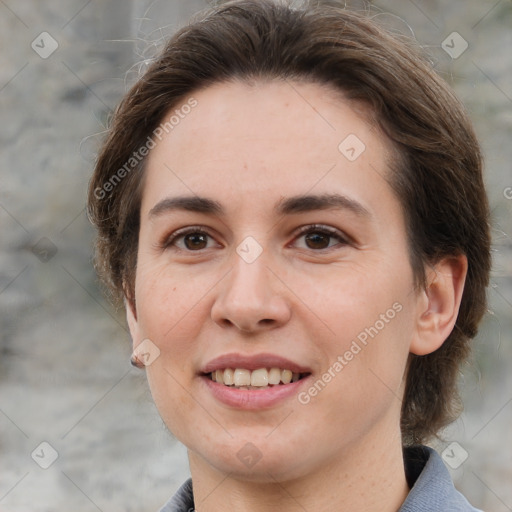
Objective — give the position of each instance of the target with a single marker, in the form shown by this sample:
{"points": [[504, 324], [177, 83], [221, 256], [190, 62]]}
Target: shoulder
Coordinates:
{"points": [[182, 501], [431, 485]]}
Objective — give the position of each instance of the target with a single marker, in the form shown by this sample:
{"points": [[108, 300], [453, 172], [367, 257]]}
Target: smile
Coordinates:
{"points": [[253, 381], [261, 378]]}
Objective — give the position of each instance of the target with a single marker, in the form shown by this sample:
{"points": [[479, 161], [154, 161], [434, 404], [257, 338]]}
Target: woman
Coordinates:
{"points": [[290, 202]]}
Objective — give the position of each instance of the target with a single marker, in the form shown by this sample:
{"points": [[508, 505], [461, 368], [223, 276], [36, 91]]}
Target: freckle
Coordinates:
{"points": [[174, 289]]}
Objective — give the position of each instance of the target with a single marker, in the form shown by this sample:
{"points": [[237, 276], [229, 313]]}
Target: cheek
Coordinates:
{"points": [[351, 299], [370, 318], [169, 302], [171, 312], [364, 375]]}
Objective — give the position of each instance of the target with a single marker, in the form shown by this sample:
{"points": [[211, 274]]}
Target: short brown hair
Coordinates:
{"points": [[437, 177]]}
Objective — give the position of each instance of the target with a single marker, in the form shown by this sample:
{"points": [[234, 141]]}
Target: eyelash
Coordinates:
{"points": [[181, 233], [343, 240], [325, 230]]}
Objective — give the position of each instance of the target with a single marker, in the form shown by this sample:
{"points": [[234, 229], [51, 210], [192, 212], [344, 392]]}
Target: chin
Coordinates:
{"points": [[258, 461]]}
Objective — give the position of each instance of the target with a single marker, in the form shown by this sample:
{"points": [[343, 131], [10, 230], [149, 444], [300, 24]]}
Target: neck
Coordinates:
{"points": [[369, 477]]}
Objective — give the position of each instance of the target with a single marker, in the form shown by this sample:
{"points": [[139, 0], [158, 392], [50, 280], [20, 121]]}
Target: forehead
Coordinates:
{"points": [[267, 140]]}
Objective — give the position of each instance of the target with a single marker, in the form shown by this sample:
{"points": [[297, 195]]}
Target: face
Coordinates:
{"points": [[270, 238]]}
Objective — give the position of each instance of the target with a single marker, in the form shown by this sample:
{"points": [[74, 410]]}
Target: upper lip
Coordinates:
{"points": [[252, 362]]}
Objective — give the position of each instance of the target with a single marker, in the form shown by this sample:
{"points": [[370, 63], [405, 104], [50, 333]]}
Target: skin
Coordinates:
{"points": [[248, 147]]}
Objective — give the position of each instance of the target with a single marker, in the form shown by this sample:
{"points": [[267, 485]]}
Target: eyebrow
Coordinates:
{"points": [[187, 203], [306, 203], [285, 206]]}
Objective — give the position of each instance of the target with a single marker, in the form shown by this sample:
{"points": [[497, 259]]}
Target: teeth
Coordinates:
{"points": [[260, 378], [242, 377], [229, 377], [274, 376], [286, 376]]}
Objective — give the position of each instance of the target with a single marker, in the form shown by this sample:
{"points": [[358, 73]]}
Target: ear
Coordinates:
{"points": [[133, 325], [438, 304]]}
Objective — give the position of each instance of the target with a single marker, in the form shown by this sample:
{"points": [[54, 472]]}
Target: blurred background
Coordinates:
{"points": [[78, 429]]}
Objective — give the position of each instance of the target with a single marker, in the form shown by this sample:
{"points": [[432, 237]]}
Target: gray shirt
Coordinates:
{"points": [[431, 487]]}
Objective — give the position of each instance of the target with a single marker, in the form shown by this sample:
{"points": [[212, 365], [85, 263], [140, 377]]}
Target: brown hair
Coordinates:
{"points": [[437, 177]]}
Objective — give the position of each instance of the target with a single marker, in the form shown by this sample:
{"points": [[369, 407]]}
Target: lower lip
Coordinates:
{"points": [[251, 399]]}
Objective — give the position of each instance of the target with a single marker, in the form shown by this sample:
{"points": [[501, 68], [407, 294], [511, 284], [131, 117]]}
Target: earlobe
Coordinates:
{"points": [[131, 318], [438, 304]]}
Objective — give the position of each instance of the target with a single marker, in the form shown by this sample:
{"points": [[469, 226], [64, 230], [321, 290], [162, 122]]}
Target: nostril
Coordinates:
{"points": [[247, 326]]}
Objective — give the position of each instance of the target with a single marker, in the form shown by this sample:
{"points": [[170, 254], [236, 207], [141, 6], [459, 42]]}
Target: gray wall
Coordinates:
{"points": [[65, 378]]}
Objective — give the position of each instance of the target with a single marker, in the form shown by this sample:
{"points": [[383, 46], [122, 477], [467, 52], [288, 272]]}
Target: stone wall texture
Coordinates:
{"points": [[65, 378]]}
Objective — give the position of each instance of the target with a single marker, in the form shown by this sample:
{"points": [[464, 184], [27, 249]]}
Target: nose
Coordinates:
{"points": [[251, 299]]}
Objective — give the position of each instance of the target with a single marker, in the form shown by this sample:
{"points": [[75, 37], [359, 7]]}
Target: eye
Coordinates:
{"points": [[189, 239], [195, 241], [320, 238]]}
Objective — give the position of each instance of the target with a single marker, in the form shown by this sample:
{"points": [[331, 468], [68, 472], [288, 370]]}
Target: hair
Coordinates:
{"points": [[437, 173]]}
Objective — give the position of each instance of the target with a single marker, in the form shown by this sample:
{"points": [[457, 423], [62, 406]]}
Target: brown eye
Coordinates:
{"points": [[317, 240], [192, 239], [195, 241]]}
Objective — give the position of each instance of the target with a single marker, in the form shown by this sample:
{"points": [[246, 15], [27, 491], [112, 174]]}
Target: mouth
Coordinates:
{"points": [[259, 379], [253, 382]]}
